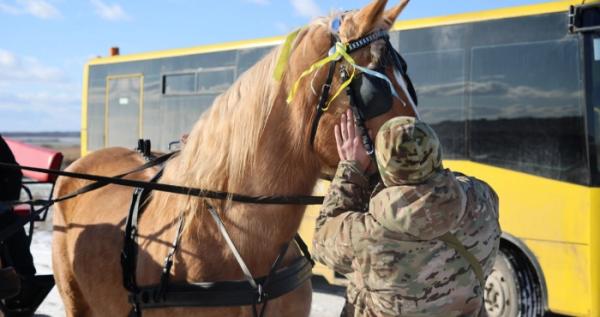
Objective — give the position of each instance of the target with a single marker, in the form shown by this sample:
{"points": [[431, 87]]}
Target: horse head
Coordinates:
{"points": [[356, 44]]}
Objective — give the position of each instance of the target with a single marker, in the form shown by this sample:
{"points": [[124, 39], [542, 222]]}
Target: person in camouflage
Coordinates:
{"points": [[420, 244]]}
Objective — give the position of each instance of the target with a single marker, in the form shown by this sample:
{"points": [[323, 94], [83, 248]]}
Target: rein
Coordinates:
{"points": [[101, 181]]}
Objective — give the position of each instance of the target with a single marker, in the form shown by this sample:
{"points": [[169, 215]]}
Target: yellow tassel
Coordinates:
{"points": [[284, 56], [340, 51]]}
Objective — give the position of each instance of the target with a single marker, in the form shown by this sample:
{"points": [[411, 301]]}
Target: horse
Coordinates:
{"points": [[251, 141]]}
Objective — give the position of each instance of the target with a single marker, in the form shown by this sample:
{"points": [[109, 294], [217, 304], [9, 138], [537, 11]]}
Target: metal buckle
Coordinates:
{"points": [[262, 295], [332, 51]]}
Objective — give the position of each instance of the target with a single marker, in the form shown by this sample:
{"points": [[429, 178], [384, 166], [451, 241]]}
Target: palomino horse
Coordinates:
{"points": [[251, 141]]}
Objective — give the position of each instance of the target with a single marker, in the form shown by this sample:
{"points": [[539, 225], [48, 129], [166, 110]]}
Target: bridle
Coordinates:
{"points": [[362, 112]]}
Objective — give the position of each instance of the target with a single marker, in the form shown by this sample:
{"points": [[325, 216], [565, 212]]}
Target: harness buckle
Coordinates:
{"points": [[135, 305], [261, 295]]}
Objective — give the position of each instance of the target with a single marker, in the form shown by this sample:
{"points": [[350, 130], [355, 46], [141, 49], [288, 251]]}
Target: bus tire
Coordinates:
{"points": [[512, 288]]}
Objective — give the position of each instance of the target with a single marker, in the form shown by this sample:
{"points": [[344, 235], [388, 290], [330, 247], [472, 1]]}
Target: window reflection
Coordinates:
{"points": [[440, 84], [595, 95], [177, 84], [215, 80], [525, 110]]}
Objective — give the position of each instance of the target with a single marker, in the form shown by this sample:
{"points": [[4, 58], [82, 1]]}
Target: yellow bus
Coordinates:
{"points": [[513, 93]]}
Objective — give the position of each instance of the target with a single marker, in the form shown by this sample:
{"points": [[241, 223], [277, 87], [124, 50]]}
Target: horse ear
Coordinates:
{"points": [[392, 14], [369, 15]]}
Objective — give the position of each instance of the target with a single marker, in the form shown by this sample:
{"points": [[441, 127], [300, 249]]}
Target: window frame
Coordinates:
{"points": [[214, 69], [196, 73], [163, 79], [586, 40]]}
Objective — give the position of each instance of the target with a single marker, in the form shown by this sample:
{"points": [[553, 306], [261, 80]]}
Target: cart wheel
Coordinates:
{"points": [[512, 288]]}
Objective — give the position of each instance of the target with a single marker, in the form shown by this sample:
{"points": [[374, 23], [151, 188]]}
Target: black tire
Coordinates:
{"points": [[513, 289]]}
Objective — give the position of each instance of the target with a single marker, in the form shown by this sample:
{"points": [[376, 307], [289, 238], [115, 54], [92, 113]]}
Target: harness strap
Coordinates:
{"points": [[250, 291], [359, 119], [321, 106], [100, 181], [304, 248], [232, 247], [402, 66], [455, 244], [166, 272], [130, 250], [174, 189], [225, 293]]}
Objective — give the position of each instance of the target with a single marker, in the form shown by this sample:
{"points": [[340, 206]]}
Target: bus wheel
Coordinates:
{"points": [[512, 288]]}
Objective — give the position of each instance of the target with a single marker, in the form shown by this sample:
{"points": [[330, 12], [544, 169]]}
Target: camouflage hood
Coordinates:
{"points": [[407, 150], [424, 211]]}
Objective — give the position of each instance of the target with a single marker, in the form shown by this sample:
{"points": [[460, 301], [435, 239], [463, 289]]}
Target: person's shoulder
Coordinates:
{"points": [[476, 188], [470, 181]]}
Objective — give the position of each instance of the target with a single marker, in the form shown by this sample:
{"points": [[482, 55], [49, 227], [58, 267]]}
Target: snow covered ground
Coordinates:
{"points": [[327, 300]]}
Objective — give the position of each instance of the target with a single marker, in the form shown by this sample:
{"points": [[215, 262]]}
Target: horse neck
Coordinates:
{"points": [[276, 161], [283, 164]]}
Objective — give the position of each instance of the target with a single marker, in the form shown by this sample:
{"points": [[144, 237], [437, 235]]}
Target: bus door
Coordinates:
{"points": [[123, 110]]}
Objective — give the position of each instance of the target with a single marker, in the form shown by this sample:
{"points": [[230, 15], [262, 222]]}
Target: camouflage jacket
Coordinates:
{"points": [[387, 245]]}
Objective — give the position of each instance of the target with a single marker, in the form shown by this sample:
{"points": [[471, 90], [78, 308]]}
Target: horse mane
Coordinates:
{"points": [[222, 145]]}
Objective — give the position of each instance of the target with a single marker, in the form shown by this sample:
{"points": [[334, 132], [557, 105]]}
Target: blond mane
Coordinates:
{"points": [[222, 145]]}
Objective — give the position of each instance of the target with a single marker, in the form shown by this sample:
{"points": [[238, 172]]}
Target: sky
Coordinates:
{"points": [[45, 43]]}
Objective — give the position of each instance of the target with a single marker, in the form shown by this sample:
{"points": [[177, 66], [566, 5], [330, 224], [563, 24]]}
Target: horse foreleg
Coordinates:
{"points": [[72, 297]]}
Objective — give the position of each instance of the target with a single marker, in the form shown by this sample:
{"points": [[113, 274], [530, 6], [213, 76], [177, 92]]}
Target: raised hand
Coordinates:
{"points": [[349, 144]]}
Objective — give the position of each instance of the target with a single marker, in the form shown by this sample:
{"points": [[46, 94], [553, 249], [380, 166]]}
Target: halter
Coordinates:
{"points": [[338, 51]]}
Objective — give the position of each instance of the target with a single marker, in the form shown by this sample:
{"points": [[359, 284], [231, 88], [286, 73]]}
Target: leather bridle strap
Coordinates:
{"points": [[367, 40], [359, 120], [323, 98], [352, 46]]}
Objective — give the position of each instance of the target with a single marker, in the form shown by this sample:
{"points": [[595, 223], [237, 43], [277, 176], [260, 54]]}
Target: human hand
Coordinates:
{"points": [[349, 144]]}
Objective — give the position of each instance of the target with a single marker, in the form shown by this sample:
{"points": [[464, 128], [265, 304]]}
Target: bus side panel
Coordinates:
{"points": [[595, 253], [566, 271]]}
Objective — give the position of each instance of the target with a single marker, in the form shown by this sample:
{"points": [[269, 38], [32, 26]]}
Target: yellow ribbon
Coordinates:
{"points": [[340, 52], [284, 56]]}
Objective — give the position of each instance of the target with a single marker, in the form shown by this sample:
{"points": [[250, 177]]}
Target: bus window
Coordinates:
{"points": [[249, 56], [178, 84], [525, 110], [595, 95], [440, 83], [215, 80]]}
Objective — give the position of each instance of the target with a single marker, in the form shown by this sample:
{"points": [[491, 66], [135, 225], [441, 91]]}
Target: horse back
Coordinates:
{"points": [[106, 162]]}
